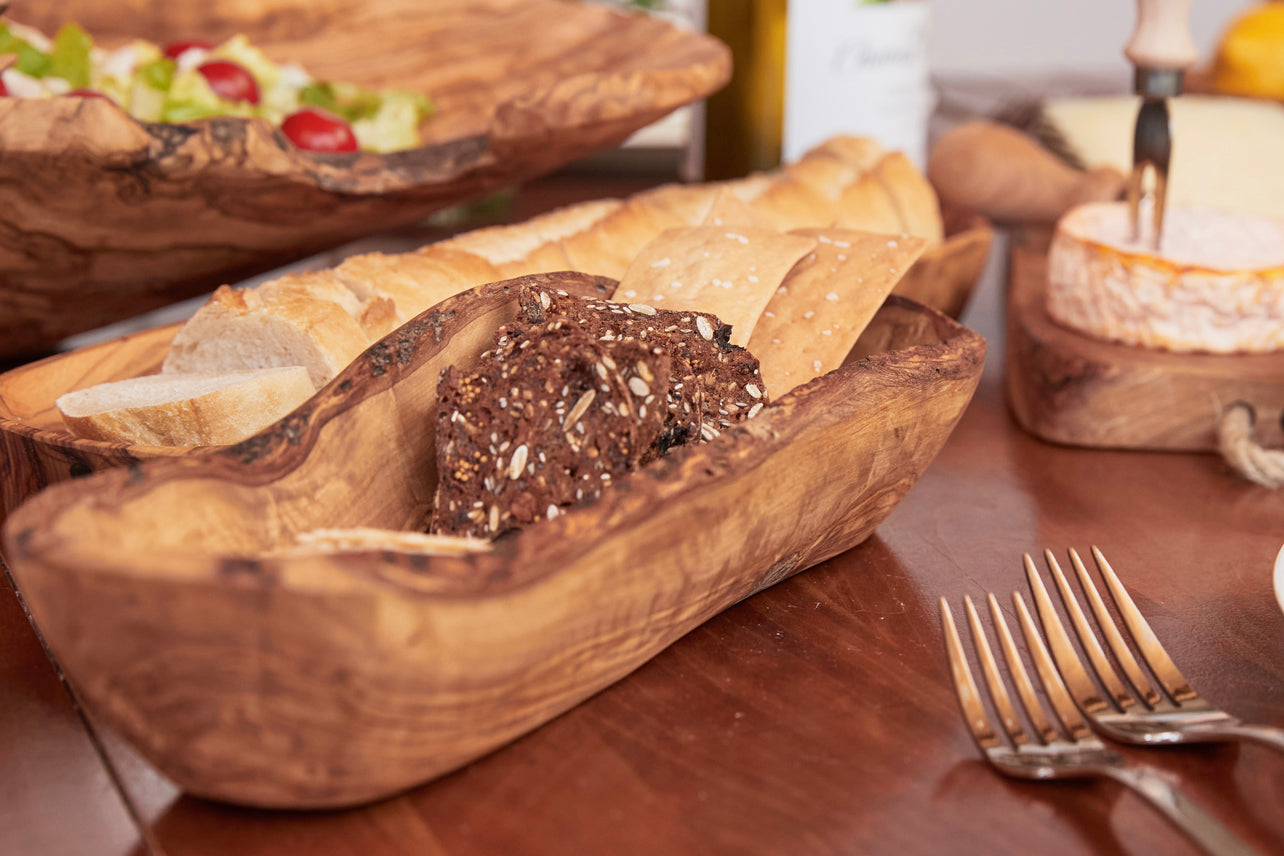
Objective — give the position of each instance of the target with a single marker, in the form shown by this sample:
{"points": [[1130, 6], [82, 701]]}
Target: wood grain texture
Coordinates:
{"points": [[255, 676], [1067, 387], [817, 717], [105, 218]]}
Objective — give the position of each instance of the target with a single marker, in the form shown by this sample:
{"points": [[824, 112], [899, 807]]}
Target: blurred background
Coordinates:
{"points": [[1001, 37]]}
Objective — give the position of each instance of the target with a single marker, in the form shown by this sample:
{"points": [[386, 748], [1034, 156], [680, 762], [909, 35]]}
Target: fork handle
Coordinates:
{"points": [[1200, 826], [1264, 734]]}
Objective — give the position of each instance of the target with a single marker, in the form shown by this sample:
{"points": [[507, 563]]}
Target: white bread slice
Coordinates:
{"points": [[292, 321], [363, 539], [185, 409], [610, 246], [1216, 286]]}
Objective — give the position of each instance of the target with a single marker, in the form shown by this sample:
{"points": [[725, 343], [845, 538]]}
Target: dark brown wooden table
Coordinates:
{"points": [[816, 717]]}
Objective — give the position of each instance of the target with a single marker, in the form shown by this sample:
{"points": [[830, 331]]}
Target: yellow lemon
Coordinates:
{"points": [[1250, 58]]}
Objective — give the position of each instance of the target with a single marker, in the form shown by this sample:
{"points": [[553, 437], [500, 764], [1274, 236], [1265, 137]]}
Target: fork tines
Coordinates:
{"points": [[1152, 651], [978, 721]]}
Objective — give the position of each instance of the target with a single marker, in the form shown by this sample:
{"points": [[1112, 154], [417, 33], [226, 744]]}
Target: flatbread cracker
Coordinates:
{"points": [[825, 302], [730, 272]]}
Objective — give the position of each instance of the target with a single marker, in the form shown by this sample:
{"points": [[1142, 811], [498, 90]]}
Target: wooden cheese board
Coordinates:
{"points": [[177, 600], [106, 218], [1067, 387]]}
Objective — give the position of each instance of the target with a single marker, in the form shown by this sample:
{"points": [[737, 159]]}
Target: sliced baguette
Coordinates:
{"points": [[185, 409], [535, 245], [417, 280], [293, 321], [323, 320]]}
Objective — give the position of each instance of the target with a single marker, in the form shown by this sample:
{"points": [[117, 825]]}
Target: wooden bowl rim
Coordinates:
{"points": [[267, 150], [955, 348]]}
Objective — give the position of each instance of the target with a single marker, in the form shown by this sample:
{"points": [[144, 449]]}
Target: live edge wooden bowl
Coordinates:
{"points": [[104, 218], [252, 674], [36, 450]]}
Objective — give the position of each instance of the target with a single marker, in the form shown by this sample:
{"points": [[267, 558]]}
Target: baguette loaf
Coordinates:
{"points": [[322, 320], [185, 409], [417, 280]]}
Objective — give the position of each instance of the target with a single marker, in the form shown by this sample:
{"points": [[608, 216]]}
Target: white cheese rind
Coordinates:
{"points": [[1101, 284]]}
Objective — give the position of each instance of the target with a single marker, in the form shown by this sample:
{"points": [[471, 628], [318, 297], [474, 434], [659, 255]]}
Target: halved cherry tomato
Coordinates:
{"points": [[174, 50], [319, 130], [230, 81]]}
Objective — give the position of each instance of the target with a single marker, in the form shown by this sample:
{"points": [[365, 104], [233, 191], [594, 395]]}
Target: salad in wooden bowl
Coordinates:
{"points": [[107, 215]]}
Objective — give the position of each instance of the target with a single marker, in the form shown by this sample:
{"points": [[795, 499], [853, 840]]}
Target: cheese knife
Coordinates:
{"points": [[1161, 50]]}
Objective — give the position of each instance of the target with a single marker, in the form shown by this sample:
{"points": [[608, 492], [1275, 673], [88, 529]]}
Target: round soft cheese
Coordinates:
{"points": [[1216, 284]]}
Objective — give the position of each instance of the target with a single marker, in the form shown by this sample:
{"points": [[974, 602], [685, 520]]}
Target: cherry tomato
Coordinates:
{"points": [[174, 50], [319, 130], [230, 81]]}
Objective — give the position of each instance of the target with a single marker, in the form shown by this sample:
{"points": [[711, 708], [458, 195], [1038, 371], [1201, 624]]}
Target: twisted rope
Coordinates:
{"points": [[1242, 452]]}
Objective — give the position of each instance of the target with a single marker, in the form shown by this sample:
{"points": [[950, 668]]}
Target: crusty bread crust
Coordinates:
{"points": [[185, 409]]}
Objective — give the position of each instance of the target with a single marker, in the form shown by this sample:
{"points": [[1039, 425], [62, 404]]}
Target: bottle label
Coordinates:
{"points": [[854, 67]]}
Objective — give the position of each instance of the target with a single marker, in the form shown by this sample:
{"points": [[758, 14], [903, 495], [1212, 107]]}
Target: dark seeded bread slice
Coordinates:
{"points": [[551, 416], [713, 384]]}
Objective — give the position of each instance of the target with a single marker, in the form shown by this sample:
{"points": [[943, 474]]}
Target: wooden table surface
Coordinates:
{"points": [[816, 717]]}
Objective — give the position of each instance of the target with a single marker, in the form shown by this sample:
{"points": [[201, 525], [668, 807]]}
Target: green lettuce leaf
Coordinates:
{"points": [[69, 58], [31, 61]]}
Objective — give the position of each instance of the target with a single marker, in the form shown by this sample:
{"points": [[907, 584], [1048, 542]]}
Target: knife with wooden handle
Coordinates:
{"points": [[1160, 50]]}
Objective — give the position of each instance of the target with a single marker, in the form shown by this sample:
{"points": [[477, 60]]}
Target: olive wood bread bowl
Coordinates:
{"points": [[37, 449], [187, 609]]}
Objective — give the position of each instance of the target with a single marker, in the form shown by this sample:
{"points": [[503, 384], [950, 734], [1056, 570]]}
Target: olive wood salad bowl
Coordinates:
{"points": [[252, 668], [103, 217]]}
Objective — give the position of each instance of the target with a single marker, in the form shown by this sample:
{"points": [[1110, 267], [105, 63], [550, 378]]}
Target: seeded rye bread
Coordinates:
{"points": [[547, 420], [594, 360], [713, 384]]}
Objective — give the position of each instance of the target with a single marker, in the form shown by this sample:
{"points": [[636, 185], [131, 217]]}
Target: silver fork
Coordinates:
{"points": [[1049, 754], [1176, 715]]}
